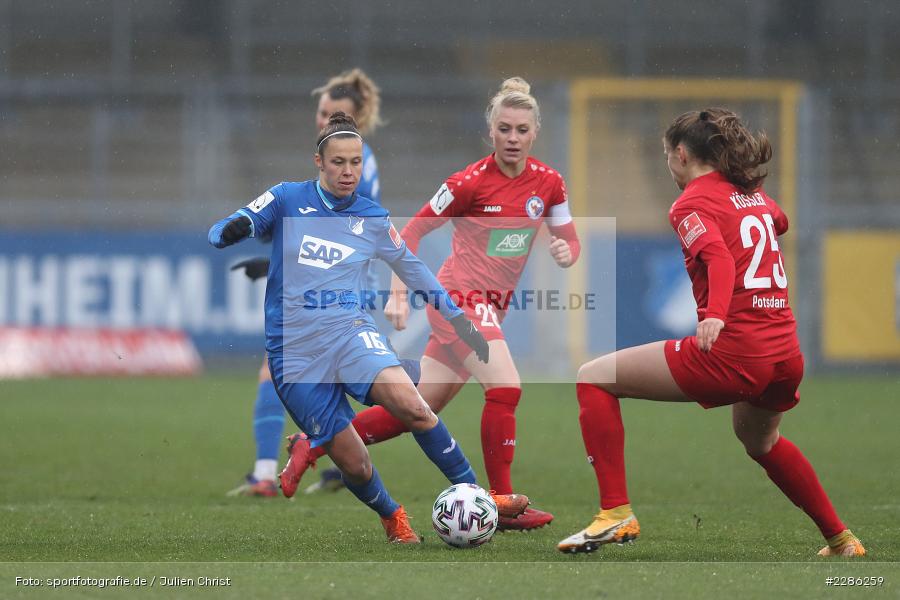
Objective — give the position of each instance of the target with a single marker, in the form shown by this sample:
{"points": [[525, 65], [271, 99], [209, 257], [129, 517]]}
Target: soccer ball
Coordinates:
{"points": [[464, 515]]}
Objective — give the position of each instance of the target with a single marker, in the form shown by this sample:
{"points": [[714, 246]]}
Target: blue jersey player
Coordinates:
{"points": [[355, 94], [321, 344]]}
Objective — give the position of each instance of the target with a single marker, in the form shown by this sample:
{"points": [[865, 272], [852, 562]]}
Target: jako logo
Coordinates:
{"points": [[323, 254], [513, 241]]}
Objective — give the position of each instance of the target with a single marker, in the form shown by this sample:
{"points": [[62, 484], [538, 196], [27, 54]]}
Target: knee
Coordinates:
{"points": [[587, 375], [756, 444], [413, 411], [508, 396], [583, 374], [359, 470], [598, 370]]}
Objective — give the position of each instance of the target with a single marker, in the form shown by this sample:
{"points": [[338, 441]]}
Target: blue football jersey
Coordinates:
{"points": [[369, 186], [320, 250]]}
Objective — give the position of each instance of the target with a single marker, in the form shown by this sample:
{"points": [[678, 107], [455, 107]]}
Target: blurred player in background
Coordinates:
{"points": [[354, 94], [320, 342], [505, 196], [745, 354]]}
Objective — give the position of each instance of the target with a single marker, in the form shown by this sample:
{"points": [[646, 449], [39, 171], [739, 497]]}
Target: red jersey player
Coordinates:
{"points": [[498, 203], [745, 353]]}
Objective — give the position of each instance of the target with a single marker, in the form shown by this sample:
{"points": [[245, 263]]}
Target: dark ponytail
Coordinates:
{"points": [[338, 123], [717, 137]]}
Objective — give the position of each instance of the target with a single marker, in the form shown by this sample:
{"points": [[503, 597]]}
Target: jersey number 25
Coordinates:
{"points": [[766, 233]]}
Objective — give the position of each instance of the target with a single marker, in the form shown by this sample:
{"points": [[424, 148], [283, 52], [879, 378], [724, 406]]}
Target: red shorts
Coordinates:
{"points": [[712, 381], [445, 346]]}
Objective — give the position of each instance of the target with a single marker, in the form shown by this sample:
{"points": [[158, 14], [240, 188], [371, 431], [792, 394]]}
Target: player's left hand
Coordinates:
{"points": [[560, 251], [236, 229], [468, 333], [708, 332]]}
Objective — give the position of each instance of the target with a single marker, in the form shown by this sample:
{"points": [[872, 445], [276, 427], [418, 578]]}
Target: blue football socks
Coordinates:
{"points": [[268, 421], [374, 495], [445, 453]]}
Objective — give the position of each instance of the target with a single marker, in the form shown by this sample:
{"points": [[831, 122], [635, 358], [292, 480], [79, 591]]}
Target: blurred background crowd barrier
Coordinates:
{"points": [[127, 128]]}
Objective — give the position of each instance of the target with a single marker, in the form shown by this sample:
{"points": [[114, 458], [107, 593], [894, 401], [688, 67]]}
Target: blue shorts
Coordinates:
{"points": [[314, 388]]}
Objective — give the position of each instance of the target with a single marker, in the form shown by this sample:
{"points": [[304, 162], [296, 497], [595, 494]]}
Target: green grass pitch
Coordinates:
{"points": [[134, 471]]}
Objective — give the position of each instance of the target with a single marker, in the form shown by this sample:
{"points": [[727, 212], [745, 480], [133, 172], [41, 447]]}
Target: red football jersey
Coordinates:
{"points": [[496, 219], [759, 324]]}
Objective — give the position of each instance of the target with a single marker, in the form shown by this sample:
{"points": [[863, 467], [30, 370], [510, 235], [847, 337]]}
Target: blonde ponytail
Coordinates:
{"points": [[362, 91]]}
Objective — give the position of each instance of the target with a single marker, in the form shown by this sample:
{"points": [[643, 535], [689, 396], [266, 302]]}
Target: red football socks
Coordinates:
{"points": [[792, 473], [373, 425], [604, 441], [498, 436]]}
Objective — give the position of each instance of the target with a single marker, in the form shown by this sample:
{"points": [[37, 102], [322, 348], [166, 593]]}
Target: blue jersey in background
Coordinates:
{"points": [[369, 186]]}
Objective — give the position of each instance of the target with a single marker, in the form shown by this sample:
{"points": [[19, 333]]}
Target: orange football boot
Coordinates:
{"points": [[398, 529], [843, 544]]}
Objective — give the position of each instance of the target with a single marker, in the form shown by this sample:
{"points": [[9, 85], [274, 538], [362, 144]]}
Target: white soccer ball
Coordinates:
{"points": [[464, 515]]}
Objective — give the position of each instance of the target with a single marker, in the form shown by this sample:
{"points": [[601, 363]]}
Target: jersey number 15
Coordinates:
{"points": [[766, 232]]}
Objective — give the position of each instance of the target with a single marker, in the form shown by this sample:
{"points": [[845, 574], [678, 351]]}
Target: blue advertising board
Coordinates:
{"points": [[126, 280], [653, 292]]}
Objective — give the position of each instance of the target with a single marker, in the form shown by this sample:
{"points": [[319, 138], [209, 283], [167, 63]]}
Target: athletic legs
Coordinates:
{"points": [[757, 429]]}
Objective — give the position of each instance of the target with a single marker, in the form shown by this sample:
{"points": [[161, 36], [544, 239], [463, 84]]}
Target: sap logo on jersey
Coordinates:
{"points": [[322, 254]]}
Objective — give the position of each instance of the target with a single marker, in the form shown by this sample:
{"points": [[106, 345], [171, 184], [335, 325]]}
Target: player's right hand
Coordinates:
{"points": [[468, 333], [561, 252], [708, 332], [237, 229], [254, 268], [396, 310]]}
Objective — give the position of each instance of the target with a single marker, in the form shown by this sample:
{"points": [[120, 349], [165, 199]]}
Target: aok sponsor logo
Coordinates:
{"points": [[509, 242]]}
